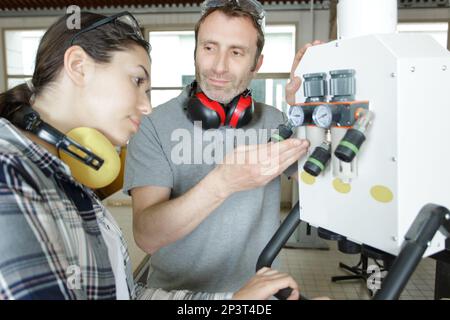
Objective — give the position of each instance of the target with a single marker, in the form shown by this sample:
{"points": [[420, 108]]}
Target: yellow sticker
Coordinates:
{"points": [[307, 178], [381, 194], [341, 187]]}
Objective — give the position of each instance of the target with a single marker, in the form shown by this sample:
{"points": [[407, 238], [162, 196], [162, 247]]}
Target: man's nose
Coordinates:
{"points": [[221, 63]]}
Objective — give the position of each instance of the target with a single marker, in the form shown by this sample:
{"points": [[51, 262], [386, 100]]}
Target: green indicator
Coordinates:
{"points": [[349, 145], [277, 137], [317, 163]]}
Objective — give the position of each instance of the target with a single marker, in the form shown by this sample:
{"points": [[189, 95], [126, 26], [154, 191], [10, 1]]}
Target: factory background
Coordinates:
{"points": [[168, 25]]}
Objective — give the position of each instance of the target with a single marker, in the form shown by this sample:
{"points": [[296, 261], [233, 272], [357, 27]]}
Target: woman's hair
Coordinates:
{"points": [[99, 43]]}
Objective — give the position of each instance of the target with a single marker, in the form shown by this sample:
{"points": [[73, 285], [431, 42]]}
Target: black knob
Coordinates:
{"points": [[284, 132], [349, 146], [318, 160]]}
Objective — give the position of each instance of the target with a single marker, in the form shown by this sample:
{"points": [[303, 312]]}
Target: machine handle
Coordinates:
{"points": [[430, 219], [275, 245]]}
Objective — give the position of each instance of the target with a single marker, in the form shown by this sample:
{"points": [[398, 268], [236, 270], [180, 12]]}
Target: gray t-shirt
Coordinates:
{"points": [[221, 253]]}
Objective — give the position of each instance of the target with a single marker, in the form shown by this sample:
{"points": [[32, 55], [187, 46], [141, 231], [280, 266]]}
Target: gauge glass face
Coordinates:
{"points": [[322, 116], [296, 116]]}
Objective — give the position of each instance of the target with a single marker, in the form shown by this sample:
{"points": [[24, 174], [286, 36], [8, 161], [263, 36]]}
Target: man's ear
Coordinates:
{"points": [[76, 64], [258, 63]]}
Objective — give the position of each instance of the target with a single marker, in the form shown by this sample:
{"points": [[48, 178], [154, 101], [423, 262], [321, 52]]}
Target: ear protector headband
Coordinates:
{"points": [[91, 157], [213, 114]]}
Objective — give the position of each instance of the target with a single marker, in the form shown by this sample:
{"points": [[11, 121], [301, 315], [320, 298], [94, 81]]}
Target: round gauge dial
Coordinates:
{"points": [[296, 116], [322, 116]]}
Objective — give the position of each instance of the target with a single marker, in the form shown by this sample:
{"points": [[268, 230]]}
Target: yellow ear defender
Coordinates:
{"points": [[91, 157], [117, 184], [98, 144]]}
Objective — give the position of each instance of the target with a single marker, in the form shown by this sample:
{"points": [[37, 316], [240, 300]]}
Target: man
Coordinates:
{"points": [[205, 224]]}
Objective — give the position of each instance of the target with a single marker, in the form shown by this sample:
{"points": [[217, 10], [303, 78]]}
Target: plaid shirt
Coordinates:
{"points": [[51, 246]]}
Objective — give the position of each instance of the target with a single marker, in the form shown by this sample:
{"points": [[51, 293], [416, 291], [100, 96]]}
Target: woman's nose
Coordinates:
{"points": [[145, 106]]}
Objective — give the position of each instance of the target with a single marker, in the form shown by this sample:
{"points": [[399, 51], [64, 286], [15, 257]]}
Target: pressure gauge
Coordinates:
{"points": [[323, 116], [296, 116]]}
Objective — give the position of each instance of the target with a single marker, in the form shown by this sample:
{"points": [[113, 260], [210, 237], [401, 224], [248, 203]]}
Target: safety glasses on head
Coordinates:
{"points": [[124, 21], [252, 7]]}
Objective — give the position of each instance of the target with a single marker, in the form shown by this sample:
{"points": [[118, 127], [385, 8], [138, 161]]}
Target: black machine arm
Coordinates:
{"points": [[429, 220], [277, 242]]}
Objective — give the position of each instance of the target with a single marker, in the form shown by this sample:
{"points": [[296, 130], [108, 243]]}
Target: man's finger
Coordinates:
{"points": [[298, 57], [294, 295], [291, 88], [270, 272], [290, 148], [288, 144], [247, 147], [263, 270], [291, 160], [275, 166], [300, 149], [284, 282]]}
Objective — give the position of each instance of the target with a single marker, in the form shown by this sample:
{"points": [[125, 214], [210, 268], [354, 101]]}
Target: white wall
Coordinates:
{"points": [[309, 26]]}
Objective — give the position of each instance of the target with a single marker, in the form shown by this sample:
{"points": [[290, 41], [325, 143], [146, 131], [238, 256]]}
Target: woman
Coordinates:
{"points": [[57, 241]]}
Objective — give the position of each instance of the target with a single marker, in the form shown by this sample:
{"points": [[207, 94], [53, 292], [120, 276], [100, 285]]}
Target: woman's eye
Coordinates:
{"points": [[138, 81]]}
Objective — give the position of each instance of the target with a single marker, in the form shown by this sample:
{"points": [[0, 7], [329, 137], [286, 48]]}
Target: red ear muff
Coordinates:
{"points": [[213, 105], [213, 114], [241, 113], [210, 113]]}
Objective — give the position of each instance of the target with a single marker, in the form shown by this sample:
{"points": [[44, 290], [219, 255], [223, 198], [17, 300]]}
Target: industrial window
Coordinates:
{"points": [[21, 47], [173, 64], [438, 30]]}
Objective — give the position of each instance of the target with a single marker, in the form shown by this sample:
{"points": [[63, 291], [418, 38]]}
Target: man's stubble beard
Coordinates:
{"points": [[222, 96]]}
